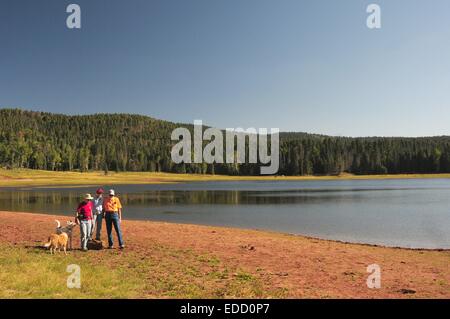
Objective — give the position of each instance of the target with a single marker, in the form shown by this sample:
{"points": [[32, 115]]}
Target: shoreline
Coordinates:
{"points": [[280, 265], [39, 178], [267, 231], [344, 242]]}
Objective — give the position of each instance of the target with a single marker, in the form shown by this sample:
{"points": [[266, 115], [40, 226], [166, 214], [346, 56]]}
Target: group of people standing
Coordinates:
{"points": [[90, 214]]}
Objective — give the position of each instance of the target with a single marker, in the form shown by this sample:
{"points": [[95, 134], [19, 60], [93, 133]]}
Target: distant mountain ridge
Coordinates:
{"points": [[125, 142]]}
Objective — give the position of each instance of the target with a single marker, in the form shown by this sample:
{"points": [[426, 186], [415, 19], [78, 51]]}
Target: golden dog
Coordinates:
{"points": [[56, 241]]}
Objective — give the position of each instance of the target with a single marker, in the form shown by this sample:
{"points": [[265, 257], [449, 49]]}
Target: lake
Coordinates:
{"points": [[411, 213]]}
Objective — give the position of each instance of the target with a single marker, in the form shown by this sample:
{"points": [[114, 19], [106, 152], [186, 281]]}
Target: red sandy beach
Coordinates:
{"points": [[301, 267]]}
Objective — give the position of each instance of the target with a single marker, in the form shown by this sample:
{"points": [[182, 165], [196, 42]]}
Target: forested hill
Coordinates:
{"points": [[123, 142]]}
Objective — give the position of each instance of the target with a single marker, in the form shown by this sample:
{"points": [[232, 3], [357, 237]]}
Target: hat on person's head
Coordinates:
{"points": [[111, 192], [100, 191], [88, 197]]}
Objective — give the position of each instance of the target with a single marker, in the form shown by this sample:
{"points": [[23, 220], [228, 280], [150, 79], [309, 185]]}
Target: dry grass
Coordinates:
{"points": [[31, 272]]}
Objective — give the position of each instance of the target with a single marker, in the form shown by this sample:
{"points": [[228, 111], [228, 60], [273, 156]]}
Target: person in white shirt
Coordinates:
{"points": [[97, 214]]}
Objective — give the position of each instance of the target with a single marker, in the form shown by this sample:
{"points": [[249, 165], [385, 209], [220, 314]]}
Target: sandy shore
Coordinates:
{"points": [[300, 267]]}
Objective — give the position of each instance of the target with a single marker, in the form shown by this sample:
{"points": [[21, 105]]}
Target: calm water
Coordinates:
{"points": [[407, 213]]}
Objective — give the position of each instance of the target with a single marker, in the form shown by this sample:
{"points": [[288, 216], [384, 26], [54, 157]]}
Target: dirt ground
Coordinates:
{"points": [[302, 267]]}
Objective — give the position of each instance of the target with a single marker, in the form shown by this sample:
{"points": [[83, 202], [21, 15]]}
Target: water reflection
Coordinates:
{"points": [[22, 200]]}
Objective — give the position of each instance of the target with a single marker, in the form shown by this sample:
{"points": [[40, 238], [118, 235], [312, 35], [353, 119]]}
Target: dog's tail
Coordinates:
{"points": [[58, 224], [46, 245]]}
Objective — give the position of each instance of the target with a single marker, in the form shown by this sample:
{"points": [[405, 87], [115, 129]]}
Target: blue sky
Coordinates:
{"points": [[310, 66]]}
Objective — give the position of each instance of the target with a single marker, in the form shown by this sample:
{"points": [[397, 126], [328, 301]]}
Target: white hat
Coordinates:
{"points": [[111, 192], [88, 197]]}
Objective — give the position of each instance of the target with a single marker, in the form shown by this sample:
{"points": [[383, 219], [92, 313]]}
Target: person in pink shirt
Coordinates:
{"points": [[84, 216]]}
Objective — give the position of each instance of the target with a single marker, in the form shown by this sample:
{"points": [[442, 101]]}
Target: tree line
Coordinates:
{"points": [[124, 142]]}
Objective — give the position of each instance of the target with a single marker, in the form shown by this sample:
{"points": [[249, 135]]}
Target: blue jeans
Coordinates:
{"points": [[85, 231], [99, 222], [113, 219]]}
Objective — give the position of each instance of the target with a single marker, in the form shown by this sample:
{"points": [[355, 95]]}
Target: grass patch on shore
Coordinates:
{"points": [[34, 273], [31, 272], [29, 177]]}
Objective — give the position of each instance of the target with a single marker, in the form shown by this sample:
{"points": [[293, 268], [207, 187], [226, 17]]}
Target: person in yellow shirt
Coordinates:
{"points": [[112, 209]]}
